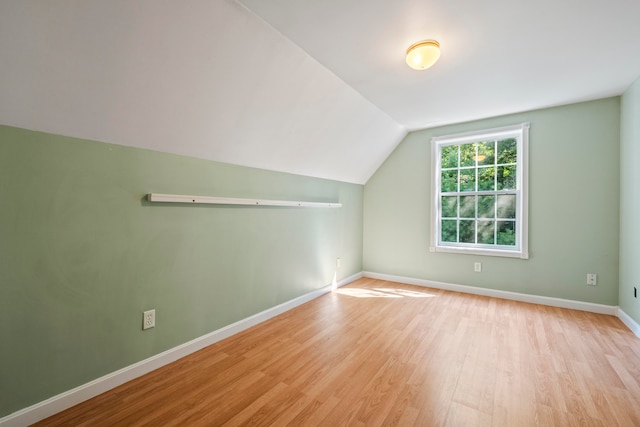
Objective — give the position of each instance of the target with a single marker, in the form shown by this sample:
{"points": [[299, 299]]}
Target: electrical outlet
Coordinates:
{"points": [[148, 319], [477, 267], [337, 263], [592, 279]]}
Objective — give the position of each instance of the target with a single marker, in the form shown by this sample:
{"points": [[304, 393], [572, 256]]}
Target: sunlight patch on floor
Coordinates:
{"points": [[406, 293], [382, 293]]}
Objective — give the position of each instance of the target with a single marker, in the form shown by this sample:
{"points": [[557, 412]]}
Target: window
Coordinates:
{"points": [[479, 192]]}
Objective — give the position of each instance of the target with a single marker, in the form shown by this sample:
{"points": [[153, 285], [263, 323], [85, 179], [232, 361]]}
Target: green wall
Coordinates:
{"points": [[573, 208], [630, 201], [82, 255]]}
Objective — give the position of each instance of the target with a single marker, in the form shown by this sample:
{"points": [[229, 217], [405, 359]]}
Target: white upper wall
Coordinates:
{"points": [[201, 78], [317, 88]]}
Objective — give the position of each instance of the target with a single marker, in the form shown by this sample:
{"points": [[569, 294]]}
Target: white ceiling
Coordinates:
{"points": [[317, 88], [498, 56]]}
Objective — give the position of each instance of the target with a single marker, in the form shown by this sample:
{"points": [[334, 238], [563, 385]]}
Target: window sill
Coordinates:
{"points": [[480, 251]]}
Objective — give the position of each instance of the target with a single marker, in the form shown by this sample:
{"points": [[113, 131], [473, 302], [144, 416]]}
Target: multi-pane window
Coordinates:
{"points": [[479, 192]]}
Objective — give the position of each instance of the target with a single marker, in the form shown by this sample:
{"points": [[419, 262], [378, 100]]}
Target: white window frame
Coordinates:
{"points": [[521, 133]]}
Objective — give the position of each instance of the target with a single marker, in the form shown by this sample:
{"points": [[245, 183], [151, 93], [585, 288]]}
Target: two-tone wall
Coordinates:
{"points": [[83, 254], [574, 208]]}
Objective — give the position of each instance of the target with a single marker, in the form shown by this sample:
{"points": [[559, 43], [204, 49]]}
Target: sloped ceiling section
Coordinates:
{"points": [[201, 78], [498, 56]]}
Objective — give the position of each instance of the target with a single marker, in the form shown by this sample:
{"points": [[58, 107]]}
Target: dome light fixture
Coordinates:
{"points": [[423, 54]]}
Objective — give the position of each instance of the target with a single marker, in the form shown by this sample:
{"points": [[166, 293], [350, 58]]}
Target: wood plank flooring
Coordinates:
{"points": [[378, 353]]}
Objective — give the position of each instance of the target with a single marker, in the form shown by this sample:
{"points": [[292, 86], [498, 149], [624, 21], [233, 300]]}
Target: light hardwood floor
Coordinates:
{"points": [[381, 353]]}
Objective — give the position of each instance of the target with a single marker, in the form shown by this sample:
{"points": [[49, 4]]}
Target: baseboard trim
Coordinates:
{"points": [[515, 296], [629, 322], [60, 402]]}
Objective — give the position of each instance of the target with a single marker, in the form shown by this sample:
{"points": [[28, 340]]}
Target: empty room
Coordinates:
{"points": [[295, 212]]}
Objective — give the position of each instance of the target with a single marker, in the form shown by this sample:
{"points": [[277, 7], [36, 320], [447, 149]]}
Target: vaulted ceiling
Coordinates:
{"points": [[317, 88]]}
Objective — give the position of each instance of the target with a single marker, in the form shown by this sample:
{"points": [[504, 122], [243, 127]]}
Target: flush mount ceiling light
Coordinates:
{"points": [[423, 54]]}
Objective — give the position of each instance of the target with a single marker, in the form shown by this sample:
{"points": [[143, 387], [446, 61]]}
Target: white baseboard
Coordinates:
{"points": [[60, 402], [629, 322], [535, 299], [515, 296]]}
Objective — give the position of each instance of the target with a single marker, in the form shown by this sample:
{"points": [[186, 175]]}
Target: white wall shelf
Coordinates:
{"points": [[179, 198]]}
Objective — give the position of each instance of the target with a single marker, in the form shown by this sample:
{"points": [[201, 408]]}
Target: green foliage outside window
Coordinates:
{"points": [[488, 166], [506, 233]]}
